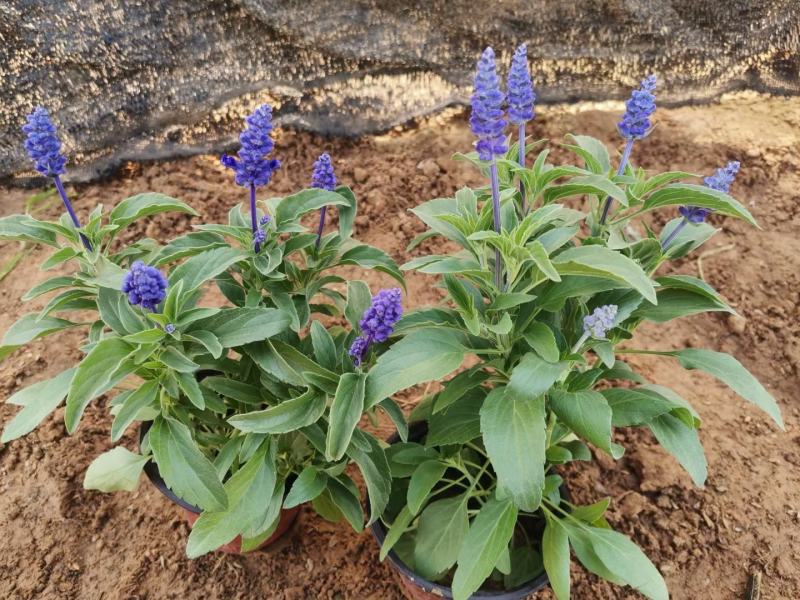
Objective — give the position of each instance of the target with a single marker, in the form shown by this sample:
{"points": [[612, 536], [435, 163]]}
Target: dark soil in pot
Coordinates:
{"points": [[416, 587], [192, 512]]}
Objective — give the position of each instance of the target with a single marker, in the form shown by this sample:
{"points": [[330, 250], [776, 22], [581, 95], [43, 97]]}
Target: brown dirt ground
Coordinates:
{"points": [[60, 541]]}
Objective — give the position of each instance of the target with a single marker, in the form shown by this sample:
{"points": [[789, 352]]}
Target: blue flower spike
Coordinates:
{"points": [[488, 124], [323, 178], [44, 148], [520, 105], [251, 165], [597, 324], [635, 125], [378, 322], [145, 286], [720, 181]]}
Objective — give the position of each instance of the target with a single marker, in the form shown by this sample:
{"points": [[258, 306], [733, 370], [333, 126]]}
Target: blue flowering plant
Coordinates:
{"points": [[551, 277], [247, 407]]}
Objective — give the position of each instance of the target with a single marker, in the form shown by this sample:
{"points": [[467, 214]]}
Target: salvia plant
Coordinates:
{"points": [[543, 300], [248, 406]]}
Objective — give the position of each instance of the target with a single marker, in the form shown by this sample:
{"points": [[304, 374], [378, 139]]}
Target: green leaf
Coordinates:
{"points": [[395, 413], [586, 413], [395, 532], [425, 477], [676, 303], [29, 328], [37, 401], [147, 336], [145, 205], [359, 299], [533, 376], [597, 261], [731, 372], [347, 212], [22, 228], [555, 554], [597, 185], [368, 454], [184, 467], [369, 257], [309, 484], [594, 153], [680, 194], [488, 537], [455, 388], [634, 407], [59, 257], [117, 313], [346, 410], [178, 361], [421, 356], [97, 373], [287, 416], [288, 209], [542, 260], [620, 557], [188, 245], [459, 424], [441, 531], [204, 266], [346, 498], [48, 285], [513, 427], [206, 339], [189, 386], [683, 443], [143, 396], [541, 338], [324, 347], [246, 491], [234, 389], [239, 326], [115, 470]]}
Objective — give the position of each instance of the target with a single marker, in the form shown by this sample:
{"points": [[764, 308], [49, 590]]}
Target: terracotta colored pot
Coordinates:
{"points": [[192, 512], [416, 587]]}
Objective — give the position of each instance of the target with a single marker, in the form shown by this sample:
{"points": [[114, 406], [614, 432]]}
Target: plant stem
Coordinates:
{"points": [[626, 154], [68, 205], [321, 227], [498, 261], [674, 234], [254, 216], [521, 161]]}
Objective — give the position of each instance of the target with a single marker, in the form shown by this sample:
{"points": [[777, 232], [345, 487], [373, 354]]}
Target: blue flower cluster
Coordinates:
{"points": [[378, 322], [145, 285], [486, 119], [721, 181], [600, 321], [520, 89], [323, 176], [635, 123], [42, 143], [252, 167]]}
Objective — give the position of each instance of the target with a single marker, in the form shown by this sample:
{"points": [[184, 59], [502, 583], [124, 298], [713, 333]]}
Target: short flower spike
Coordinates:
{"points": [[378, 322], [145, 286]]}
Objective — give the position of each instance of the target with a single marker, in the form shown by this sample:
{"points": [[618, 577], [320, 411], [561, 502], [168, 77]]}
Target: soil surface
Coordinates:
{"points": [[59, 541]]}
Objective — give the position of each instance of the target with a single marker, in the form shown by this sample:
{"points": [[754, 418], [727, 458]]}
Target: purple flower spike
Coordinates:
{"points": [[323, 176], [264, 220], [145, 285], [251, 165], [42, 143], [486, 119], [635, 123], [722, 178], [520, 89], [600, 321], [378, 322], [259, 237]]}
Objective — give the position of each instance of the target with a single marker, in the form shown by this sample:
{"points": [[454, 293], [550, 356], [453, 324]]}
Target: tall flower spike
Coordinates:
{"points": [[44, 148], [720, 181], [323, 178], [488, 124], [378, 322], [251, 165], [635, 125], [145, 286], [520, 105], [486, 119]]}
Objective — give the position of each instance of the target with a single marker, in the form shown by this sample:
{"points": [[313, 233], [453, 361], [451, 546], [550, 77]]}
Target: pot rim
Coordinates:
{"points": [[378, 530]]}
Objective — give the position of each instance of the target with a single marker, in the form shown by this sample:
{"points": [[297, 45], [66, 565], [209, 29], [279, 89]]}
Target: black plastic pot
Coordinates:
{"points": [[417, 587]]}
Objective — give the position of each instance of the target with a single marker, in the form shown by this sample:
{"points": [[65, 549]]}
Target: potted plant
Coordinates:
{"points": [[249, 409], [543, 298]]}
